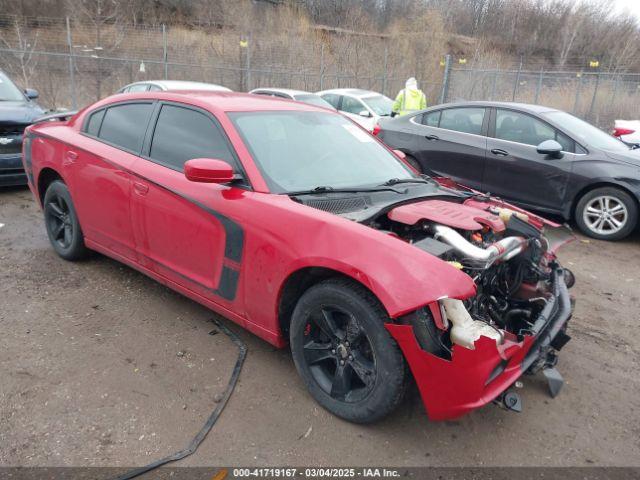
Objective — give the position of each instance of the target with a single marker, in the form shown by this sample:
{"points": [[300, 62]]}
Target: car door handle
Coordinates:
{"points": [[140, 188], [70, 157], [432, 137], [500, 152]]}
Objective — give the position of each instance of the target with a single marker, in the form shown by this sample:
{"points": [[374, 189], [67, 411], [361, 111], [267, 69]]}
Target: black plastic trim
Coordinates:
{"points": [[551, 320]]}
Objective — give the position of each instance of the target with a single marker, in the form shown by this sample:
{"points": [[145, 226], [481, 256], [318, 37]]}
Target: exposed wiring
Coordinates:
{"points": [[206, 428]]}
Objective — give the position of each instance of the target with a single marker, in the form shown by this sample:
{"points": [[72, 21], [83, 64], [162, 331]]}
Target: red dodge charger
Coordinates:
{"points": [[295, 223]]}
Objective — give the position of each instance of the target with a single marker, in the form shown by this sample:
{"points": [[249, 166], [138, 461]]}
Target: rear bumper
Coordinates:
{"points": [[473, 378], [11, 170]]}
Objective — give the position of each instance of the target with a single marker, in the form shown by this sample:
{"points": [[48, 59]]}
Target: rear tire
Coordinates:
{"points": [[346, 357], [606, 213], [61, 222]]}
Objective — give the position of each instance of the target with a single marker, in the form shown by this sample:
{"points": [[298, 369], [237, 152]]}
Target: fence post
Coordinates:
{"points": [[322, 66], [385, 75], [517, 82], [539, 86], [577, 99], [72, 74], [494, 84], [249, 45], [595, 94], [164, 52], [445, 79]]}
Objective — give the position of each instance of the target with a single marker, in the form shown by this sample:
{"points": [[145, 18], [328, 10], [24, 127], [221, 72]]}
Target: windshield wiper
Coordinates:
{"points": [[325, 189], [396, 181]]}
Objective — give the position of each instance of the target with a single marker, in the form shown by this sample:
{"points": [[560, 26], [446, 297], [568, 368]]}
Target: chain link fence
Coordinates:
{"points": [[598, 97], [73, 64]]}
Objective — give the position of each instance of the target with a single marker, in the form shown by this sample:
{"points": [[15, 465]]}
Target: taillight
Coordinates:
{"points": [[619, 131], [376, 129]]}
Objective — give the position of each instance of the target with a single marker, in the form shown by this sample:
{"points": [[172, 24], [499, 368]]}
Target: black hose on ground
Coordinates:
{"points": [[206, 428]]}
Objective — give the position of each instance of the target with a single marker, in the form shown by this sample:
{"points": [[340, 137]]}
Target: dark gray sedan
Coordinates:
{"points": [[538, 157]]}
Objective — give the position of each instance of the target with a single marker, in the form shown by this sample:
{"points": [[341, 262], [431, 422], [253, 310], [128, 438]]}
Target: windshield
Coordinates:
{"points": [[314, 100], [586, 133], [298, 151], [8, 90], [380, 104]]}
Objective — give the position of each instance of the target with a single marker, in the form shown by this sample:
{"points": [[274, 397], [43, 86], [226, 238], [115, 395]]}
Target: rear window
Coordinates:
{"points": [[431, 119], [332, 99], [314, 100], [93, 125], [125, 125], [140, 87]]}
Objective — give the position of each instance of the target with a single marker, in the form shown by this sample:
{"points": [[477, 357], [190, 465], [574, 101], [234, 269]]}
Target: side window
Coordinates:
{"points": [[332, 98], [432, 119], [467, 120], [125, 125], [140, 87], [182, 134], [154, 88], [522, 128], [352, 105], [568, 145], [95, 120]]}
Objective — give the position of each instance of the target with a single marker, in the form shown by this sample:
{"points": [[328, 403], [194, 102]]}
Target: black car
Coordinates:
{"points": [[541, 158], [17, 111]]}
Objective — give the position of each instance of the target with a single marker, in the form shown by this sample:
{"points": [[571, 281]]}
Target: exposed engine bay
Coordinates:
{"points": [[503, 250]]}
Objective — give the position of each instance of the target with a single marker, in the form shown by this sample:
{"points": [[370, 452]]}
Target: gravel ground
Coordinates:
{"points": [[102, 366]]}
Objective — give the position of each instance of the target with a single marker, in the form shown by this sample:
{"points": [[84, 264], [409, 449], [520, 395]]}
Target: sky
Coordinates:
{"points": [[633, 6]]}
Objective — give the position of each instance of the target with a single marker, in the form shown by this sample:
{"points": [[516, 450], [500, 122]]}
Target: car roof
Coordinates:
{"points": [[286, 91], [216, 101], [354, 92], [182, 85], [525, 107]]}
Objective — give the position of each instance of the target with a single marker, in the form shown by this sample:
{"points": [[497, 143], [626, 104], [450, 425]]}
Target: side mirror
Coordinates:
{"points": [[208, 170], [400, 154], [550, 148], [31, 93], [365, 113]]}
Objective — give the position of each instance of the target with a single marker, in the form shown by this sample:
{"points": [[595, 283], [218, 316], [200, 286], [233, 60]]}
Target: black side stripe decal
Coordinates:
{"points": [[234, 236], [233, 247]]}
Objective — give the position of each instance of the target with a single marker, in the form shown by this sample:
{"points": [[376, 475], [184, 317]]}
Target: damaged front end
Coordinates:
{"points": [[465, 353]]}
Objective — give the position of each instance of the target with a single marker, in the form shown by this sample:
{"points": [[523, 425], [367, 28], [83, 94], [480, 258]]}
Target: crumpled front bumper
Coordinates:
{"points": [[473, 378]]}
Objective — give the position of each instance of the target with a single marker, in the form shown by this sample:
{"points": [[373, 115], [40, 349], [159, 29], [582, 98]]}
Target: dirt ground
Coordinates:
{"points": [[102, 366]]}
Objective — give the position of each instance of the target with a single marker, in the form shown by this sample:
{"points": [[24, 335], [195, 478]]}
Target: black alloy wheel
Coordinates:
{"points": [[339, 354], [59, 221], [348, 360], [62, 223]]}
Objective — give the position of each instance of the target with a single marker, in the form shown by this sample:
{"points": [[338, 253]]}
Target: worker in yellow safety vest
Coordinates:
{"points": [[409, 99]]}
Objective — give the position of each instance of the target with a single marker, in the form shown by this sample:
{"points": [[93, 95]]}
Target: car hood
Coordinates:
{"points": [[632, 157], [19, 112]]}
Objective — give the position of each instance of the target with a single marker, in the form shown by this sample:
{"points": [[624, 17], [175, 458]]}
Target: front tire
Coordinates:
{"points": [[61, 222], [606, 213], [348, 360]]}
